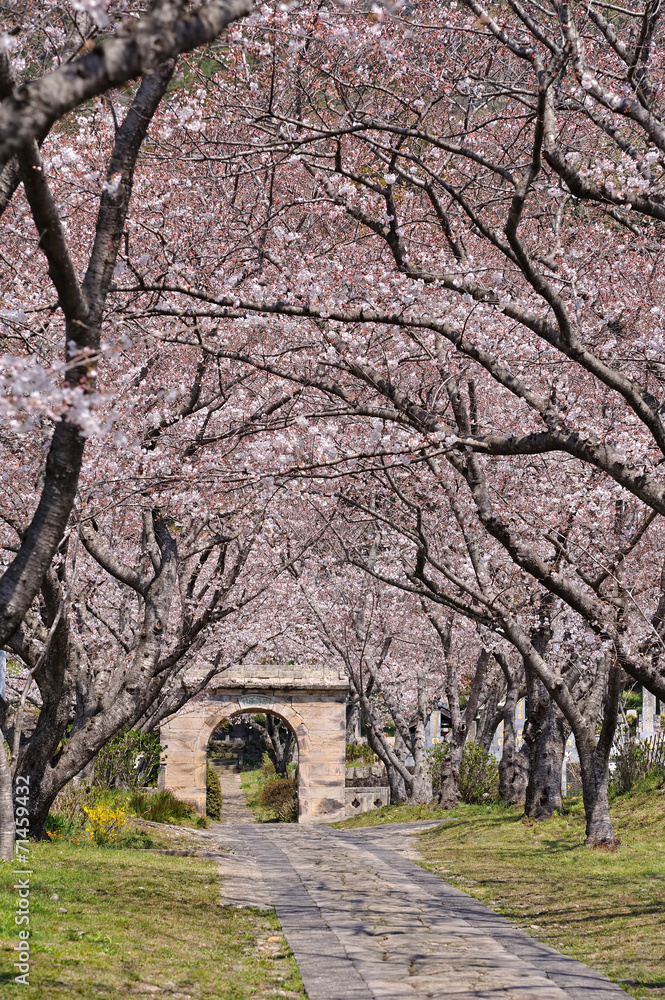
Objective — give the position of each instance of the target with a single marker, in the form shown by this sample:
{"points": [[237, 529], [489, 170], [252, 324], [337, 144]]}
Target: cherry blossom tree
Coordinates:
{"points": [[419, 254], [128, 642], [27, 113], [402, 194], [137, 46]]}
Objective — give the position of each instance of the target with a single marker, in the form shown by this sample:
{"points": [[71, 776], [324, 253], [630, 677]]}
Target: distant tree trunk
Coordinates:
{"points": [[514, 763], [545, 739], [447, 789], [7, 827], [279, 743], [421, 787], [397, 784], [543, 732], [513, 772], [490, 718], [595, 765], [352, 721]]}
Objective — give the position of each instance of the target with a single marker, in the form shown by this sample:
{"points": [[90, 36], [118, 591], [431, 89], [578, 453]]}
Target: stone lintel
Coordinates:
{"points": [[269, 685]]}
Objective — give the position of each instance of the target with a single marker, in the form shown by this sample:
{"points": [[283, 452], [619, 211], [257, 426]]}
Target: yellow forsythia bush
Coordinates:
{"points": [[105, 823]]}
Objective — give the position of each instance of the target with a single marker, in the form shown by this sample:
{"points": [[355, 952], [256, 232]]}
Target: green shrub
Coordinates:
{"points": [[130, 759], [268, 772], [478, 775], [436, 756], [137, 840], [637, 763], [213, 794], [359, 754], [281, 796], [222, 749]]}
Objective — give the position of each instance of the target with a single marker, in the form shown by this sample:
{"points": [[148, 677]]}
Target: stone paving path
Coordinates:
{"points": [[365, 923], [234, 804], [242, 881]]}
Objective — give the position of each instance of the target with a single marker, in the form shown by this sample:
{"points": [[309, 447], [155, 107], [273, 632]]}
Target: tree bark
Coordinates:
{"points": [[421, 788], [278, 740], [7, 827], [595, 767], [513, 766], [125, 700], [545, 739], [22, 578], [448, 791], [128, 54], [490, 719], [448, 795], [398, 792], [514, 763], [352, 721]]}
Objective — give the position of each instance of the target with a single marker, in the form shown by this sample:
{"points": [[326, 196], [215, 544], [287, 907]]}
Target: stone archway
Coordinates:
{"points": [[311, 700]]}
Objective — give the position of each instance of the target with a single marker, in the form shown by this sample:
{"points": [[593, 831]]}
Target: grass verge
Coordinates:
{"points": [[138, 924], [252, 781], [392, 814], [605, 909]]}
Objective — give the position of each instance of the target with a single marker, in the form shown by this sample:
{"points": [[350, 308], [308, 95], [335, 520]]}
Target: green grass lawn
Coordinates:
{"points": [[606, 909], [251, 783], [139, 924]]}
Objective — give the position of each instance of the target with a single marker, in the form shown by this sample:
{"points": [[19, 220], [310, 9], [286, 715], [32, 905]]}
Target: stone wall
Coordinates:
{"points": [[362, 800]]}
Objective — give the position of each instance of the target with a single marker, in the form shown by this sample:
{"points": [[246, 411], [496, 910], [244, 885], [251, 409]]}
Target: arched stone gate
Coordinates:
{"points": [[312, 700]]}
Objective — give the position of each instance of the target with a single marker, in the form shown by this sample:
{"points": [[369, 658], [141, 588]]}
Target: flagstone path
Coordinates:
{"points": [[234, 803], [366, 923]]}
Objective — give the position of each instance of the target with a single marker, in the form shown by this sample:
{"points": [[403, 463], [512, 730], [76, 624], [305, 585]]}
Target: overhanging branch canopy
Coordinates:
{"points": [[136, 49]]}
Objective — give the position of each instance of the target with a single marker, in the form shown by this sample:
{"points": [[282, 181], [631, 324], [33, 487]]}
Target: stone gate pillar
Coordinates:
{"points": [[322, 760]]}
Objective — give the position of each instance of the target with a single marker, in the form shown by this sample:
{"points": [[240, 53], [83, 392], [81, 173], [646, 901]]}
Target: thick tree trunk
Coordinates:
{"points": [[448, 795], [514, 776], [595, 766], [397, 786], [421, 788], [7, 827], [353, 721], [545, 740], [22, 579], [491, 716], [514, 763], [546, 749], [40, 805], [279, 742], [595, 777]]}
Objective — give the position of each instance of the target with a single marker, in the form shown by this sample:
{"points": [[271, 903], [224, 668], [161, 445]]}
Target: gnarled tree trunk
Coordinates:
{"points": [[421, 788], [514, 763], [545, 738], [398, 792], [595, 765]]}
